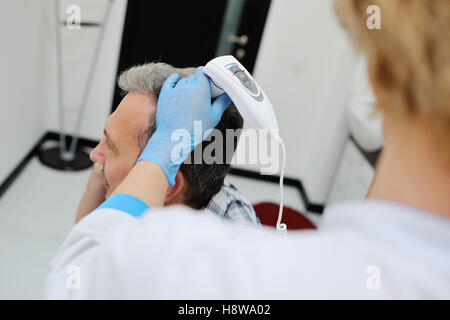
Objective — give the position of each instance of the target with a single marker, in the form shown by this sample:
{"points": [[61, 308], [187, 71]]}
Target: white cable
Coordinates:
{"points": [[281, 227]]}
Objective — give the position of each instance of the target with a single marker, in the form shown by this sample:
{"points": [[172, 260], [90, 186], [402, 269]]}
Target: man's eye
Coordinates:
{"points": [[108, 144]]}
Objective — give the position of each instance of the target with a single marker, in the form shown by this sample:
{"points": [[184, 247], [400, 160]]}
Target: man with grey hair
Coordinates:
{"points": [[198, 184]]}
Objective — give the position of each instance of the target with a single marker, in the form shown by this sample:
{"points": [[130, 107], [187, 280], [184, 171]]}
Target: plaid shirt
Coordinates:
{"points": [[231, 204]]}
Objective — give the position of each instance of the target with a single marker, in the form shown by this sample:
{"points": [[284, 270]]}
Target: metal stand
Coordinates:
{"points": [[74, 158]]}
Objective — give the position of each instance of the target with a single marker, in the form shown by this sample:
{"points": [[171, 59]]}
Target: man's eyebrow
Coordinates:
{"points": [[109, 141]]}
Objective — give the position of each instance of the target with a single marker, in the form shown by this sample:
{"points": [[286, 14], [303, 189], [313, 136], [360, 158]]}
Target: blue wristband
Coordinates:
{"points": [[126, 203]]}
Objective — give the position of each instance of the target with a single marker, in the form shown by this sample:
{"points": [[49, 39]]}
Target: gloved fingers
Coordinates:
{"points": [[220, 105], [201, 76], [170, 82], [182, 83], [190, 80], [199, 71]]}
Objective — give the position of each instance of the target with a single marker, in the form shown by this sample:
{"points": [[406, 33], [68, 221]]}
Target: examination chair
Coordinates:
{"points": [[268, 215]]}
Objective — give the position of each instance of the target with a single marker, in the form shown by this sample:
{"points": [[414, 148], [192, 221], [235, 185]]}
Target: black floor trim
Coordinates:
{"points": [[54, 136], [22, 164], [48, 136]]}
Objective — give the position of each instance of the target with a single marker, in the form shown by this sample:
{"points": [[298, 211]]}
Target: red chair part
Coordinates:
{"points": [[294, 220]]}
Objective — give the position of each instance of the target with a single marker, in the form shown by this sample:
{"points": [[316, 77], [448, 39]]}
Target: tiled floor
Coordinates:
{"points": [[36, 213], [38, 210]]}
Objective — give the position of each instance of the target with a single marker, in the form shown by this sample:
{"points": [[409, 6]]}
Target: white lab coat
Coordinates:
{"points": [[364, 250]]}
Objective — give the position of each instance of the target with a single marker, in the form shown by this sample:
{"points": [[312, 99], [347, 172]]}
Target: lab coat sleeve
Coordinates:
{"points": [[74, 271]]}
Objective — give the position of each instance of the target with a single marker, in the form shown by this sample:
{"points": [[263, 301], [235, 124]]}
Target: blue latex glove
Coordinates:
{"points": [[180, 104]]}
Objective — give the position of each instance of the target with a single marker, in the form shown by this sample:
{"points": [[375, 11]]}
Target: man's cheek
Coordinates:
{"points": [[115, 178], [108, 178]]}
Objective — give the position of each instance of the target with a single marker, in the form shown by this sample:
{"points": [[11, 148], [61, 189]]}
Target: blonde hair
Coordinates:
{"points": [[408, 58]]}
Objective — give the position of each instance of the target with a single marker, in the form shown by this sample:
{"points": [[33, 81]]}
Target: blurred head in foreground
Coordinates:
{"points": [[409, 68]]}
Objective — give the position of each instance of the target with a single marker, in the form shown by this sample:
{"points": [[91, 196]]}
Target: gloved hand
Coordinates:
{"points": [[181, 103]]}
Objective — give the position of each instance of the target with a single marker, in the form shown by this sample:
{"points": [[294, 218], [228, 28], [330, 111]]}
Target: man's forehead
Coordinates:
{"points": [[137, 102], [132, 116]]}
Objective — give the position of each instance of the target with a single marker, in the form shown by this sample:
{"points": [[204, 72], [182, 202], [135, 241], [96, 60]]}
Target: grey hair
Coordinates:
{"points": [[150, 77], [204, 180]]}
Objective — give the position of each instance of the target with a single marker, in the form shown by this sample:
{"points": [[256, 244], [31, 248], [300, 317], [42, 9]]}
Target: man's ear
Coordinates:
{"points": [[175, 193]]}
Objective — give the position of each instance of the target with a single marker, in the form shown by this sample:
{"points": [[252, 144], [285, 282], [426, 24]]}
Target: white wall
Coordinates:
{"points": [[78, 50], [28, 86], [353, 178], [304, 65], [21, 83]]}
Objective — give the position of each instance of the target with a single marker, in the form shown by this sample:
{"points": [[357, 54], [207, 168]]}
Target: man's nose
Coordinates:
{"points": [[97, 154]]}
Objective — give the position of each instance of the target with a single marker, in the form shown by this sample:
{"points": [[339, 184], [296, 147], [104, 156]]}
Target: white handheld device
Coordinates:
{"points": [[228, 75]]}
